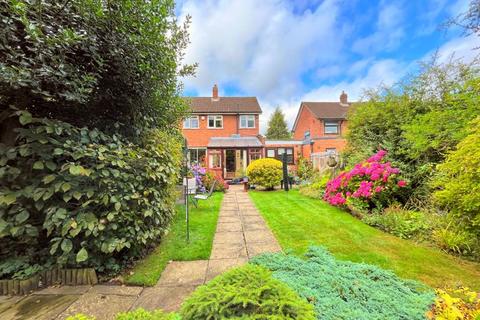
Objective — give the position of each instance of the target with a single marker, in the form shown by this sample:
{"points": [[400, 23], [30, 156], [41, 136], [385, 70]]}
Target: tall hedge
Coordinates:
{"points": [[76, 196], [111, 65]]}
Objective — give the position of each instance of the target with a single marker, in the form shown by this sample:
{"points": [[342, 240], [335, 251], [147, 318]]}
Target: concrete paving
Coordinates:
{"points": [[241, 234]]}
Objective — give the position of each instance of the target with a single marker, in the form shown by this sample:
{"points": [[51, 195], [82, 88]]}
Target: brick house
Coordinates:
{"points": [[223, 133], [322, 126]]}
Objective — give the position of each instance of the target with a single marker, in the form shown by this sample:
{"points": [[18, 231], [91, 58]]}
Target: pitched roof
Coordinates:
{"points": [[229, 142], [324, 110], [328, 110], [224, 105]]}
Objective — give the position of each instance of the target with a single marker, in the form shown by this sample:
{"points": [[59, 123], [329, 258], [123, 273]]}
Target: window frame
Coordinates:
{"points": [[330, 124], [278, 156], [189, 119], [248, 117], [215, 118]]}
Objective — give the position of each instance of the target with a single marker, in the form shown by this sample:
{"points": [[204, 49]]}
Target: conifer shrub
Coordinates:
{"points": [[265, 172], [346, 290], [248, 292]]}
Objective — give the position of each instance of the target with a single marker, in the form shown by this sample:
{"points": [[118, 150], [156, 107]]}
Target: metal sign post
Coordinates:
{"points": [[186, 190], [285, 172]]}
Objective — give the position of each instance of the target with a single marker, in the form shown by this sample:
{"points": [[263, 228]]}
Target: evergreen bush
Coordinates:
{"points": [[265, 172], [346, 290], [78, 197], [248, 292]]}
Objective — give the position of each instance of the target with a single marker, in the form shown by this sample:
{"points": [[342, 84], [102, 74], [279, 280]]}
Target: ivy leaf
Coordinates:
{"points": [[51, 165], [118, 206], [67, 245], [54, 247], [82, 255], [66, 186], [48, 179], [8, 199], [77, 195], [75, 170], [22, 216], [25, 118], [38, 165]]}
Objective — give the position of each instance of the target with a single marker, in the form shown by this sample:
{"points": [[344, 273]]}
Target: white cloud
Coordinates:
{"points": [[464, 48], [261, 47]]}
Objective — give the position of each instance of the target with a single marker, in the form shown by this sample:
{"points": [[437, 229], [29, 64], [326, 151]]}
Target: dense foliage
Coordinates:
{"points": [[209, 178], [76, 196], [111, 65], [247, 292], [458, 181], [138, 314], [417, 123], [266, 172], [456, 304], [277, 126], [428, 126], [373, 181], [347, 290], [406, 224], [305, 170]]}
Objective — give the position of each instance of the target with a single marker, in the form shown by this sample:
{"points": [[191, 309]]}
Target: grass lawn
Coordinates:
{"points": [[203, 221], [298, 221]]}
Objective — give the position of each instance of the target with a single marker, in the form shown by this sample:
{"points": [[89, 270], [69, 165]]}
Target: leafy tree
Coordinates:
{"points": [[112, 65], [277, 126], [458, 180], [418, 122]]}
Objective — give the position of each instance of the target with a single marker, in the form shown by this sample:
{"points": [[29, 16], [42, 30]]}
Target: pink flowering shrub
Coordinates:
{"points": [[367, 181]]}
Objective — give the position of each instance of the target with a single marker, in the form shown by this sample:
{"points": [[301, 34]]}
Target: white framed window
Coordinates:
{"points": [[270, 153], [215, 121], [215, 160], [332, 127], [247, 121], [191, 123]]}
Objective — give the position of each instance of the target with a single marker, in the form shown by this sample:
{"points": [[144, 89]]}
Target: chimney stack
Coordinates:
{"points": [[343, 98], [215, 92]]}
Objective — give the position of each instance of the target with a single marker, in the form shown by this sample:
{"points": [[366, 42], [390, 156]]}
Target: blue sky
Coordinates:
{"points": [[284, 52]]}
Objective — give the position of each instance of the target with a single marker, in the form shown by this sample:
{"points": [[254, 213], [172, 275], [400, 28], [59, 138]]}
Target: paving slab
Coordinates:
{"points": [[63, 290], [218, 266], [229, 226], [255, 249], [263, 236], [228, 251], [255, 226], [118, 290], [182, 273], [165, 298], [229, 219], [252, 219], [100, 306], [228, 213], [38, 307], [228, 237]]}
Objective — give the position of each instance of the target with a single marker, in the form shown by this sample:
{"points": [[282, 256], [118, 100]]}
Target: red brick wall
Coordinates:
{"points": [[307, 121], [199, 137]]}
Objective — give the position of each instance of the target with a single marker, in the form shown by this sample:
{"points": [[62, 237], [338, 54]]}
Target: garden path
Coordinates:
{"points": [[241, 234]]}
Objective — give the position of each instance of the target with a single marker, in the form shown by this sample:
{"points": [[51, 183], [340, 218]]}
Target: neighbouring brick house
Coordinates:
{"points": [[322, 126], [223, 133]]}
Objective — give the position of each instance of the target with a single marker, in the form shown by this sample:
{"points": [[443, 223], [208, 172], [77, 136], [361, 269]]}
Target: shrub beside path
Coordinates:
{"points": [[241, 234]]}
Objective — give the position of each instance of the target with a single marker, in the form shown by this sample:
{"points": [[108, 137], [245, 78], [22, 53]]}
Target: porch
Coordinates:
{"points": [[229, 157]]}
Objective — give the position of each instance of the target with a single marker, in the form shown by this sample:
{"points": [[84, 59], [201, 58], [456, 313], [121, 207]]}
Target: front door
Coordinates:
{"points": [[230, 163]]}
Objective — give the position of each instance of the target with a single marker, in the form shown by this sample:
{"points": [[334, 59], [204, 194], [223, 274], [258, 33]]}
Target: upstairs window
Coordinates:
{"points": [[215, 121], [247, 121], [332, 127], [190, 123]]}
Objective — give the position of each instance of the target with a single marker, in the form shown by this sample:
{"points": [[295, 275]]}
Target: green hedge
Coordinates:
{"points": [[77, 197], [347, 290]]}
